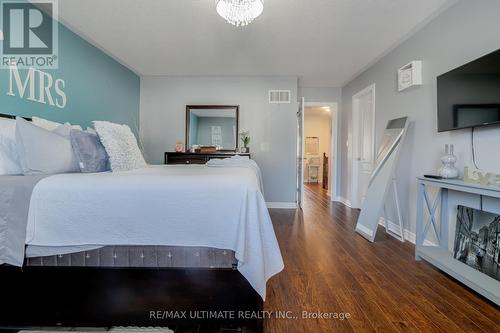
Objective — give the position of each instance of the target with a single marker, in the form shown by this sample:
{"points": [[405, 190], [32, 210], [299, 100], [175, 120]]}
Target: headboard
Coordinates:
{"points": [[9, 116]]}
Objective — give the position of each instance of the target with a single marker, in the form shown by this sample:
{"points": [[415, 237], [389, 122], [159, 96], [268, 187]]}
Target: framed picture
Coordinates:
{"points": [[312, 145], [477, 240]]}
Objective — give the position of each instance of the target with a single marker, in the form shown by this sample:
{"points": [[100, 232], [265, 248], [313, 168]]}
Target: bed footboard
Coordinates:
{"points": [[105, 297]]}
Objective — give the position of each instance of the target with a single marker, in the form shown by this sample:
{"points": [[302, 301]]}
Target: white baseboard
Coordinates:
{"points": [[282, 205], [408, 235], [342, 200], [394, 228]]}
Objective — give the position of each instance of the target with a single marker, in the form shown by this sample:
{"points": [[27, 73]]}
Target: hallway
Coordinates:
{"points": [[331, 269]]}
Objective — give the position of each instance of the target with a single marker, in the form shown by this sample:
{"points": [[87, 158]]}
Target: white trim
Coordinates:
{"points": [[300, 153], [281, 205], [342, 201], [334, 142], [354, 140], [408, 235]]}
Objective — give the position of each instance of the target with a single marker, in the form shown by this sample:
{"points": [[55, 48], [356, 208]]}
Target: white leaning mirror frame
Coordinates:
{"points": [[381, 180]]}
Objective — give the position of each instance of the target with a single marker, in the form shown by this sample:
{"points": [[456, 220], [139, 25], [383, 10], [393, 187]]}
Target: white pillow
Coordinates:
{"points": [[42, 151], [46, 124], [9, 159], [121, 146], [51, 125], [8, 128]]}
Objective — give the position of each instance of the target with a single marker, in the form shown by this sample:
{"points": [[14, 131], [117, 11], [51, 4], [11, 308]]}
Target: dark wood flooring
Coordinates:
{"points": [[330, 268]]}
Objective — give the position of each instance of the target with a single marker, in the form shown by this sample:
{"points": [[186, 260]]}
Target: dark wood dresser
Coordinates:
{"points": [[196, 158]]}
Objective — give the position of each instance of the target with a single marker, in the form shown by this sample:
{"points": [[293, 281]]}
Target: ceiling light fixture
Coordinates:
{"points": [[240, 12]]}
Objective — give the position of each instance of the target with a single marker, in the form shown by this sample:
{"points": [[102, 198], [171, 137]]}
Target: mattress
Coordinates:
{"points": [[141, 256]]}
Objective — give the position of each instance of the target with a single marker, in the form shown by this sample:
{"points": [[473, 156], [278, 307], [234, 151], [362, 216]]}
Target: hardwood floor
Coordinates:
{"points": [[330, 268]]}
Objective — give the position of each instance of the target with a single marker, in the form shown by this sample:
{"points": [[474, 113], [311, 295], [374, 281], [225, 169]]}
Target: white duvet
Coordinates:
{"points": [[160, 205]]}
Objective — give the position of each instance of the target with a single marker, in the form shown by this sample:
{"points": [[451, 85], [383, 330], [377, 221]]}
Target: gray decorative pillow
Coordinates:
{"points": [[89, 151], [42, 151]]}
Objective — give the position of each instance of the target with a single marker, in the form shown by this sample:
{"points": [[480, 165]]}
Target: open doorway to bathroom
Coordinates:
{"points": [[319, 148]]}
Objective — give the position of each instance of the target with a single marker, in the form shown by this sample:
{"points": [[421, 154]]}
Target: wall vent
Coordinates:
{"points": [[279, 96]]}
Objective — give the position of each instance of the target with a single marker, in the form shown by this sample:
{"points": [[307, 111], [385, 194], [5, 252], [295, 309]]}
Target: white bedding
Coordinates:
{"points": [[160, 205]]}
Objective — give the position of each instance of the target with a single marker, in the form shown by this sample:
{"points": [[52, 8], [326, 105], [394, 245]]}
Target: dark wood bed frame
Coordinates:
{"points": [[47, 297], [104, 297]]}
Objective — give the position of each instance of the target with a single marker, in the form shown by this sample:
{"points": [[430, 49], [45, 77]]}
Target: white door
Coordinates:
{"points": [[300, 154], [363, 143]]}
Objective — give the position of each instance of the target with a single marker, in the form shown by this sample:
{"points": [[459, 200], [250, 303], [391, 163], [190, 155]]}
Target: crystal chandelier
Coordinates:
{"points": [[240, 12]]}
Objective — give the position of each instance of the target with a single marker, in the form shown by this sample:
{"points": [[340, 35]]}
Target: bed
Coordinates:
{"points": [[136, 248]]}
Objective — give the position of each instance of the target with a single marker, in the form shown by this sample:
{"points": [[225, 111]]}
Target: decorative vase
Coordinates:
{"points": [[179, 147], [245, 150], [448, 170]]}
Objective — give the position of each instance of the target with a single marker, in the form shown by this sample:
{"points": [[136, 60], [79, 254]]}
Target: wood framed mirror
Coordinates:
{"points": [[212, 125]]}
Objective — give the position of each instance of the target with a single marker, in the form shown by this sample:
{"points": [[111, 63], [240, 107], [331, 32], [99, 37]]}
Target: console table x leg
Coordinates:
{"points": [[422, 228], [432, 212]]}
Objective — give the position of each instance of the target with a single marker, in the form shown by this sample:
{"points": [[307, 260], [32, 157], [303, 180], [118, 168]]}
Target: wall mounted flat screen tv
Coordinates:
{"points": [[469, 96]]}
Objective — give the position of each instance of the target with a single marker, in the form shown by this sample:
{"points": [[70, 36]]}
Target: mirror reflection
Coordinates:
{"points": [[215, 126]]}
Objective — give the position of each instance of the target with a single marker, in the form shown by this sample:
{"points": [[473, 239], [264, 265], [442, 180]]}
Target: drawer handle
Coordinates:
{"points": [[187, 162]]}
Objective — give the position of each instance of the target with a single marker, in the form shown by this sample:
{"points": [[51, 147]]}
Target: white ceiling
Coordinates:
{"points": [[323, 42]]}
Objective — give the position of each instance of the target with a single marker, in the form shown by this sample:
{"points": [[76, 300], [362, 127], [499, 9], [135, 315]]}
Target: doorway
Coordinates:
{"points": [[363, 143], [317, 148]]}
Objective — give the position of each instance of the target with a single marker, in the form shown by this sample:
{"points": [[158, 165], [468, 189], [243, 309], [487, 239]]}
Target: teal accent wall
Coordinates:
{"points": [[97, 87]]}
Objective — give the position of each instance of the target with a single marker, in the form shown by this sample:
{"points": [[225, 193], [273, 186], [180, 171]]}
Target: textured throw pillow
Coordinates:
{"points": [[51, 125], [89, 151], [42, 151], [121, 146]]}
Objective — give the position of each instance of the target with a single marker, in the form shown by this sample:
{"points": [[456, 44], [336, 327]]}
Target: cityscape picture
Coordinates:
{"points": [[477, 240]]}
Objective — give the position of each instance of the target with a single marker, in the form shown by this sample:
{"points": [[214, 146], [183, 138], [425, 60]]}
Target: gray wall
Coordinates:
{"points": [[319, 94], [272, 126], [464, 32]]}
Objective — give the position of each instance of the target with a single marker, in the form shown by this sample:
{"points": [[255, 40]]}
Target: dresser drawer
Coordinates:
{"points": [[195, 158], [186, 160]]}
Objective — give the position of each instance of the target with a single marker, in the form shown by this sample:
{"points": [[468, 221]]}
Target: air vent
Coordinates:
{"points": [[279, 96]]}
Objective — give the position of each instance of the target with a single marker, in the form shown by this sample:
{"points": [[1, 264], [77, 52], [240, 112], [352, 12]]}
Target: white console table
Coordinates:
{"points": [[440, 255]]}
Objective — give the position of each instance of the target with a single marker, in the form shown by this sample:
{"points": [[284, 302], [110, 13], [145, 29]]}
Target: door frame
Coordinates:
{"points": [[334, 142], [355, 200], [300, 147]]}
